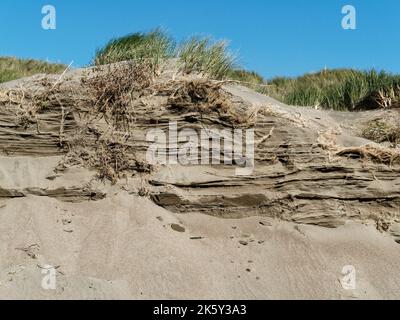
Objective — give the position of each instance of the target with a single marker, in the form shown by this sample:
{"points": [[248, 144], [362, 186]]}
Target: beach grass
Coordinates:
{"points": [[12, 68]]}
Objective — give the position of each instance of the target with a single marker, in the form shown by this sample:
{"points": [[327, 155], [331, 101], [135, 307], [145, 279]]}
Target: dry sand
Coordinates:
{"points": [[200, 232], [124, 247]]}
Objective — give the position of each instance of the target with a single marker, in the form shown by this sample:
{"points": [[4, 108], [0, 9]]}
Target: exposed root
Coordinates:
{"points": [[205, 96], [112, 157], [112, 90], [265, 138], [376, 154], [27, 105]]}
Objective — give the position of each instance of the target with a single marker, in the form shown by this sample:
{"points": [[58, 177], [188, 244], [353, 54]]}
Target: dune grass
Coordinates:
{"points": [[13, 68], [202, 55], [152, 47], [342, 89], [250, 77]]}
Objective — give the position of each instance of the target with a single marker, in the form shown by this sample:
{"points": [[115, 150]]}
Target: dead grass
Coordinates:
{"points": [[107, 113], [199, 95], [115, 159], [28, 104], [375, 154], [379, 130], [206, 97], [113, 91], [113, 88], [111, 156]]}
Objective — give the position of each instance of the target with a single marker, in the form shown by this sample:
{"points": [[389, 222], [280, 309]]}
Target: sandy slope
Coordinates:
{"points": [[200, 232], [124, 247]]}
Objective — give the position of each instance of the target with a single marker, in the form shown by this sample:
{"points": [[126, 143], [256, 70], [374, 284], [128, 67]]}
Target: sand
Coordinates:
{"points": [[123, 247], [197, 232]]}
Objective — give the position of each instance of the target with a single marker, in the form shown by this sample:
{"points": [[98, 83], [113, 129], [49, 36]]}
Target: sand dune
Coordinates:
{"points": [[193, 232]]}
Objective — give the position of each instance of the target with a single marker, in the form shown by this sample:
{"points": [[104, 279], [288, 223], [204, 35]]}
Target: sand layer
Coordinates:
{"points": [[285, 231]]}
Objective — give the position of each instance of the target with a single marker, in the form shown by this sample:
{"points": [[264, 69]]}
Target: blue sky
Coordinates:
{"points": [[285, 37]]}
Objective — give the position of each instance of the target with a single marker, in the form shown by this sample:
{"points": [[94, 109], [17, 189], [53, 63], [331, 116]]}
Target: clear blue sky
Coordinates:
{"points": [[273, 37]]}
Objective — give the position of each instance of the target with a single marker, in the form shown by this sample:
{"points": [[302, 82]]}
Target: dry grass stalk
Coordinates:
{"points": [[112, 89], [206, 96], [27, 104], [376, 154], [111, 156], [379, 130]]}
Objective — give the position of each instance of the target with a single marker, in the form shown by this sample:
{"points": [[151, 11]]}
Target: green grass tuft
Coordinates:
{"points": [[201, 55], [342, 89], [152, 47], [13, 68], [249, 78]]}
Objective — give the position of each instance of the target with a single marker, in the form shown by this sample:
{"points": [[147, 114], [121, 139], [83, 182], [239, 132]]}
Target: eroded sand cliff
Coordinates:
{"points": [[77, 192]]}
